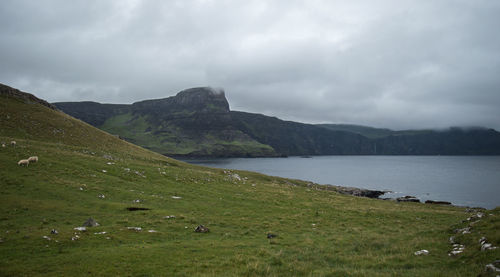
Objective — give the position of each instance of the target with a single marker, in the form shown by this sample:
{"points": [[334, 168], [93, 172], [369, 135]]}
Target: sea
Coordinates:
{"points": [[472, 181]]}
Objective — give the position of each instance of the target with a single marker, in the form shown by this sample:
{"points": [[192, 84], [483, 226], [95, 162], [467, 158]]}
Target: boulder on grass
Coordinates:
{"points": [[201, 229], [90, 223]]}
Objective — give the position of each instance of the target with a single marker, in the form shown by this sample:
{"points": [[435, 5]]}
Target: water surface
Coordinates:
{"points": [[462, 180]]}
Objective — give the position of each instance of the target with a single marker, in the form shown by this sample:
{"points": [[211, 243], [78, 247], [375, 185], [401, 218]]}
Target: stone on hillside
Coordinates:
{"points": [[176, 197], [54, 232], [452, 240], [437, 202], [422, 252], [482, 240], [138, 229], [463, 231], [488, 246], [359, 192], [408, 199], [90, 223], [201, 229], [235, 177], [493, 267], [81, 229], [270, 235], [457, 249]]}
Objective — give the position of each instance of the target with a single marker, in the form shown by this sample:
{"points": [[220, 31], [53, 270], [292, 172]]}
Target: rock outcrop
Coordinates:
{"points": [[360, 192], [437, 202], [408, 199]]}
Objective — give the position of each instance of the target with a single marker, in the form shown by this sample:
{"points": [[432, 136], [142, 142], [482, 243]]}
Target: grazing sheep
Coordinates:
{"points": [[33, 159], [23, 162], [13, 143], [3, 144]]}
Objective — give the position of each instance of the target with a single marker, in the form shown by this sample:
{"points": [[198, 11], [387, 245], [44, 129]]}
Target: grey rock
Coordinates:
{"points": [[437, 202], [482, 240], [201, 229], [421, 252], [463, 231], [408, 199], [360, 192], [493, 267], [137, 229], [487, 246], [270, 235], [452, 240]]}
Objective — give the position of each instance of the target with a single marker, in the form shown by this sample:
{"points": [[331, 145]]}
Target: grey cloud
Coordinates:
{"points": [[398, 64]]}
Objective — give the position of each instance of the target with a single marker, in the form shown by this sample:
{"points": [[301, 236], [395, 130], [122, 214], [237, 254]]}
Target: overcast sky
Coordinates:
{"points": [[386, 63]]}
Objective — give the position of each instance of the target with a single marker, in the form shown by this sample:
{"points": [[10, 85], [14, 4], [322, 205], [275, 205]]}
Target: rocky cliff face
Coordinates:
{"points": [[186, 102], [195, 122]]}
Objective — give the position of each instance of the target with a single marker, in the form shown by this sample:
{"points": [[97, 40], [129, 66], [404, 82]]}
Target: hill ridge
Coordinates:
{"points": [[26, 97], [198, 122]]}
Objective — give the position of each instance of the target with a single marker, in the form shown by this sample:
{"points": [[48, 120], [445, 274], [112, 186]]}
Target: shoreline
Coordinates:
{"points": [[362, 177]]}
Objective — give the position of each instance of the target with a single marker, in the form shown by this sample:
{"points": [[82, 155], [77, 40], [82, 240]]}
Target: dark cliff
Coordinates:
{"points": [[198, 122]]}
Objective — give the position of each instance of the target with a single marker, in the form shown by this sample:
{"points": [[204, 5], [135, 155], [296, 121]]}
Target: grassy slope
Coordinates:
{"points": [[176, 141], [351, 236]]}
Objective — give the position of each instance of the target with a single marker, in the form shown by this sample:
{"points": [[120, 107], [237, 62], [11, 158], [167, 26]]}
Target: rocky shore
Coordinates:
{"points": [[360, 192]]}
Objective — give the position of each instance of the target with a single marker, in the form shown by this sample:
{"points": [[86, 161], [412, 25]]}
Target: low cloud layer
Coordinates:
{"points": [[397, 64]]}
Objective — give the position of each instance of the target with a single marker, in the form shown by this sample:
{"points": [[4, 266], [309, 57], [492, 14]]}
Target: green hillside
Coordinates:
{"points": [[83, 172]]}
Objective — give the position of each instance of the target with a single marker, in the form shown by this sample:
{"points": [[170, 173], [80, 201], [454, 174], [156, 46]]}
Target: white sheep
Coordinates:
{"points": [[23, 162], [3, 144], [33, 159], [13, 143]]}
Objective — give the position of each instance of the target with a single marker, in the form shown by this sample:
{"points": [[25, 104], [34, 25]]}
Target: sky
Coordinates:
{"points": [[398, 64]]}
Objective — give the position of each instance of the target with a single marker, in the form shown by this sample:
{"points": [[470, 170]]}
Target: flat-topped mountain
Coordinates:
{"points": [[198, 122], [195, 122], [200, 100]]}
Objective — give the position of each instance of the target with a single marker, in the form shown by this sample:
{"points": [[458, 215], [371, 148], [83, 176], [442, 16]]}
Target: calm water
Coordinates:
{"points": [[464, 180]]}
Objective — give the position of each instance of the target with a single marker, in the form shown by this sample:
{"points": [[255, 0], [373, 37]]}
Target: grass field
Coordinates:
{"points": [[319, 232]]}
